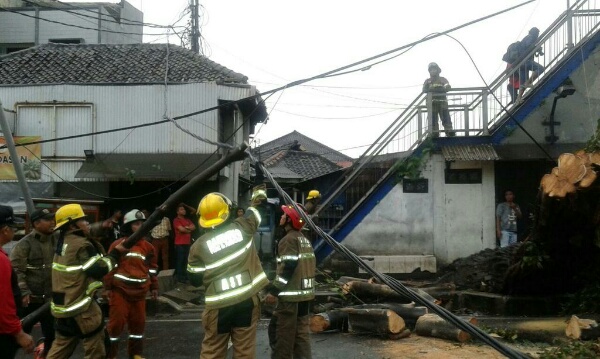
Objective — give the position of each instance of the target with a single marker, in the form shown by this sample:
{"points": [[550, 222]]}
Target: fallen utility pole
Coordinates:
{"points": [[236, 154], [10, 143]]}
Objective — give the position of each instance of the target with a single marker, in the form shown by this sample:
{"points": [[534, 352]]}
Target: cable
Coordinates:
{"points": [[76, 26], [340, 118], [391, 282], [289, 85]]}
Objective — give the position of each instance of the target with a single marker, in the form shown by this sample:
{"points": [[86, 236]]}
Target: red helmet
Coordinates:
{"points": [[290, 211]]}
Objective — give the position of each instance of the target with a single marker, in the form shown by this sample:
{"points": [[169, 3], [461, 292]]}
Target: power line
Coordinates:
{"points": [[340, 118], [75, 26], [289, 85]]}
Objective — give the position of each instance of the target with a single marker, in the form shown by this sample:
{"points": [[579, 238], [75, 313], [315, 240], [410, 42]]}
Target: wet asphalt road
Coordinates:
{"points": [[180, 336]]}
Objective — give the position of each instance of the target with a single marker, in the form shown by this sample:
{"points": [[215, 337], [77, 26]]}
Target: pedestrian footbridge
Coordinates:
{"points": [[483, 118]]}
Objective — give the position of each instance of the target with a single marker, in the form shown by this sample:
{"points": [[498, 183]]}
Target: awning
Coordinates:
{"points": [[470, 153], [145, 166]]}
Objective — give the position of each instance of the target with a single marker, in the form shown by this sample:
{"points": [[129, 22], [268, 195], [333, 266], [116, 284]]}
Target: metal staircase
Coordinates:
{"points": [[479, 114]]}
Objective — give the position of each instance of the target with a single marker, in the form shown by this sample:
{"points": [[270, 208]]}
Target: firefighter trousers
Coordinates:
{"points": [[288, 331], [124, 312], [238, 323], [87, 327]]}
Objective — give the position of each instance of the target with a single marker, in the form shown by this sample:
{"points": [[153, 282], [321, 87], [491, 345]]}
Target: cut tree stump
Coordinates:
{"points": [[582, 329], [432, 325], [383, 322], [331, 320]]}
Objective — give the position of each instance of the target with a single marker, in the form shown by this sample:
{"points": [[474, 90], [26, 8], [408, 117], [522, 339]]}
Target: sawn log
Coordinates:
{"points": [[383, 322], [432, 325], [331, 320]]}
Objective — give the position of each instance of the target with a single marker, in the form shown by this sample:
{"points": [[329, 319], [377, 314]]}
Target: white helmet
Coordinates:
{"points": [[132, 216]]}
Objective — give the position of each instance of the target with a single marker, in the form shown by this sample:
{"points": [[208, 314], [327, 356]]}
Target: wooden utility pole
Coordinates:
{"points": [[195, 27]]}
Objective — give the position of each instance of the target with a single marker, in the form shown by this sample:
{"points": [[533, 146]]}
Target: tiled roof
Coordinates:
{"points": [[123, 63], [307, 165], [305, 143]]}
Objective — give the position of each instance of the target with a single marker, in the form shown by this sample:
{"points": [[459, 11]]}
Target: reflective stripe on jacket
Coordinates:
{"points": [[136, 271], [295, 250], [227, 260], [72, 287]]}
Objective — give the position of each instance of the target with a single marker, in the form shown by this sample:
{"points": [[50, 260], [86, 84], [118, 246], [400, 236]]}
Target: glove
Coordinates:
{"points": [[259, 193]]}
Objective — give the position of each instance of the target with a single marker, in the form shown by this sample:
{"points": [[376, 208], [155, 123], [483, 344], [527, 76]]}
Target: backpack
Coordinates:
{"points": [[513, 52]]}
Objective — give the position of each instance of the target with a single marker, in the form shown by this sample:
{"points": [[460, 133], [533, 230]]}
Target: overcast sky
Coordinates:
{"points": [[274, 42]]}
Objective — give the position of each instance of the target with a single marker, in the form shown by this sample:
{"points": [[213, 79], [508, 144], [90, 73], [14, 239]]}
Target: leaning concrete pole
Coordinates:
{"points": [[10, 144]]}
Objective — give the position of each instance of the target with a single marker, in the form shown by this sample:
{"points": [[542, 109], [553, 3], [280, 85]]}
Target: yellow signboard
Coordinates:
{"points": [[29, 156]]}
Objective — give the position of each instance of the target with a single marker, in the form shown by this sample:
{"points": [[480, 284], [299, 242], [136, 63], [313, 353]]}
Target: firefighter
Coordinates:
{"points": [[312, 200], [292, 290], [32, 260], [438, 86], [127, 287], [226, 261], [77, 271]]}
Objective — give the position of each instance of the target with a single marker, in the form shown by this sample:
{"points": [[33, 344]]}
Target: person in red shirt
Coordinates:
{"points": [[127, 287], [12, 335], [183, 239]]}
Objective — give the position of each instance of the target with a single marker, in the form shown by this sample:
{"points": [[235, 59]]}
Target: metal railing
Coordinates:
{"points": [[474, 112]]}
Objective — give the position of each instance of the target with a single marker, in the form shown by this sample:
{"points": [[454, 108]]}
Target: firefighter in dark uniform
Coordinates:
{"points": [[292, 289], [77, 272], [32, 260], [438, 86], [226, 262]]}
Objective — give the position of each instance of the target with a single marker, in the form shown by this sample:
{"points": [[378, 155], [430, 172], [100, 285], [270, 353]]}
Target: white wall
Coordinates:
{"points": [[22, 29], [451, 221]]}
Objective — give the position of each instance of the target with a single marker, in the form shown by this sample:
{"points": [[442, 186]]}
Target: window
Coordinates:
{"points": [[57, 120], [467, 176]]}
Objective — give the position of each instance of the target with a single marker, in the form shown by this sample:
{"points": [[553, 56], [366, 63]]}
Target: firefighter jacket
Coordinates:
{"points": [[226, 261], [438, 86], [136, 272], [77, 270], [32, 260], [296, 266]]}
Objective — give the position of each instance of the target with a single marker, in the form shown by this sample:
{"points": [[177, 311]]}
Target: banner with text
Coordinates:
{"points": [[29, 156]]}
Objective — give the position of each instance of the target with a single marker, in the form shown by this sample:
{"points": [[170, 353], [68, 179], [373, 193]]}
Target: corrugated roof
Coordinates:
{"points": [[127, 166], [104, 63], [470, 153]]}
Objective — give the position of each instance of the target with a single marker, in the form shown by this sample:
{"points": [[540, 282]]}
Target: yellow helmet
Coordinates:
{"points": [[313, 194], [68, 213], [214, 209]]}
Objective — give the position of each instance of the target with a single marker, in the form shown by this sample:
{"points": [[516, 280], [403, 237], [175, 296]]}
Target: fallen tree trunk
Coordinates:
{"points": [[432, 325], [331, 320], [409, 312], [376, 321], [345, 279], [366, 290], [582, 329]]}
